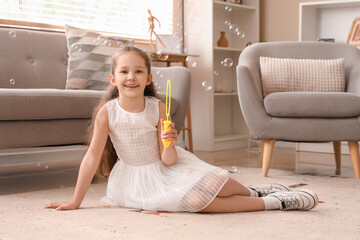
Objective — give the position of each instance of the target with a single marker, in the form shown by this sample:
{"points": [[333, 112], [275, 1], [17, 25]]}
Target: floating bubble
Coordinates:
{"points": [[38, 164], [178, 36], [240, 34], [120, 43], [46, 167], [193, 2], [91, 189], [216, 73], [182, 48], [235, 169], [107, 43], [228, 9], [162, 55], [161, 75], [157, 85], [191, 62], [158, 72], [12, 34], [207, 86], [234, 28], [227, 23], [75, 47], [227, 62], [99, 40], [193, 17], [12, 81]]}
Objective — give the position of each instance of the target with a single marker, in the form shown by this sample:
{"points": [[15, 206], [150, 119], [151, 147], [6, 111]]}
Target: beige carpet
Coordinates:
{"points": [[22, 215]]}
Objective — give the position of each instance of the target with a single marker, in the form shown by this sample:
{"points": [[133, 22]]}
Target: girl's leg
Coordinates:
{"points": [[235, 203], [233, 187]]}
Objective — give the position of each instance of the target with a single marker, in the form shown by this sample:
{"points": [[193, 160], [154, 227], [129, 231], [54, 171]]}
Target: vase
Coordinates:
{"points": [[222, 42]]}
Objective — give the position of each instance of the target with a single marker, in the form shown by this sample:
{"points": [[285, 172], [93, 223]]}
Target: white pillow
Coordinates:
{"points": [[302, 75]]}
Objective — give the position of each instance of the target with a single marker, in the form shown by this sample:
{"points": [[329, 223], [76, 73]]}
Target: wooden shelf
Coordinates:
{"points": [[228, 49], [230, 137], [235, 6]]}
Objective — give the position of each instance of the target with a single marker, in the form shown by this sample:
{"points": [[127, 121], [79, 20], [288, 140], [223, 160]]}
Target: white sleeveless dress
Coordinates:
{"points": [[139, 179]]}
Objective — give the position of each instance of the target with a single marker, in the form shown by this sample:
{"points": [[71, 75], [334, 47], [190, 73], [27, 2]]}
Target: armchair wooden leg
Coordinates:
{"points": [[337, 153], [262, 153], [354, 153], [266, 155]]}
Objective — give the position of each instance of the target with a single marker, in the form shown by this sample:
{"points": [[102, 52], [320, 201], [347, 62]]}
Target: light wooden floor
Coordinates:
{"points": [[283, 159]]}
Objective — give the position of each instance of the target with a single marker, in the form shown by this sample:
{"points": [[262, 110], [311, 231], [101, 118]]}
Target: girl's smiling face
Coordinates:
{"points": [[130, 75]]}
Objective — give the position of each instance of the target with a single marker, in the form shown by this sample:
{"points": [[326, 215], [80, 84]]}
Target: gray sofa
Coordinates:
{"points": [[41, 122]]}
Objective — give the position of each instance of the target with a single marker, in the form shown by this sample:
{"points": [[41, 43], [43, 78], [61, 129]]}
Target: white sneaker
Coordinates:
{"points": [[264, 189], [300, 199]]}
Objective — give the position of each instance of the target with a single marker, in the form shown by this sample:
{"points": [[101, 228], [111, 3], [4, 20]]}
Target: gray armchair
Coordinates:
{"points": [[301, 116]]}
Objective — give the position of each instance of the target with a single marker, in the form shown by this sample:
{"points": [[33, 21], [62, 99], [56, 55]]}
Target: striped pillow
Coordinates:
{"points": [[89, 58], [302, 75]]}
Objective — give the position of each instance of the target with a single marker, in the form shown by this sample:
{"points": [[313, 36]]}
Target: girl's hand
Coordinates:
{"points": [[62, 205], [170, 134]]}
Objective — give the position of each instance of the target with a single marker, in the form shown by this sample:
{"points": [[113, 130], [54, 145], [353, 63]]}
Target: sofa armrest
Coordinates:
{"points": [[353, 85], [251, 101]]}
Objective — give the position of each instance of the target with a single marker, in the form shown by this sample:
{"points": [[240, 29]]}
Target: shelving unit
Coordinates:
{"points": [[218, 123]]}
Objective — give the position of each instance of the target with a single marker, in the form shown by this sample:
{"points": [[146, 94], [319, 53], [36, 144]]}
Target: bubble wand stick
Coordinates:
{"points": [[168, 105]]}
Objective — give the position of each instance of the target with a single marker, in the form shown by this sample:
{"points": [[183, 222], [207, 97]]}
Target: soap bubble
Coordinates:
{"points": [[227, 23], [75, 47], [216, 73], [162, 55], [38, 164], [158, 72], [235, 169], [99, 40], [178, 36], [46, 167], [193, 17], [12, 81], [234, 28], [191, 62], [206, 85], [182, 48], [240, 34], [12, 34], [228, 9], [157, 85], [91, 189], [107, 43], [193, 2], [227, 62]]}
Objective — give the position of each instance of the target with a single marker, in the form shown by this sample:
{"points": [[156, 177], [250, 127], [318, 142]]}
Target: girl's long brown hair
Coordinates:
{"points": [[109, 156]]}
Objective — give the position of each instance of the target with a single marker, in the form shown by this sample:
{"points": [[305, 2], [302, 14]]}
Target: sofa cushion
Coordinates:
{"points": [[89, 58], [312, 104], [302, 75], [25, 104]]}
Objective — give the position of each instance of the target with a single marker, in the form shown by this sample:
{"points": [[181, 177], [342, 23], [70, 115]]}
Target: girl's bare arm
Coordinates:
{"points": [[89, 163], [168, 155]]}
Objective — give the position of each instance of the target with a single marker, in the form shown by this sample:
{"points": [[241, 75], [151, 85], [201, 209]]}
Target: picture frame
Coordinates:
{"points": [[354, 34], [171, 43]]}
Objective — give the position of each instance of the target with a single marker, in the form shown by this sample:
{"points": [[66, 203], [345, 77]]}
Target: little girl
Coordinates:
{"points": [[126, 147]]}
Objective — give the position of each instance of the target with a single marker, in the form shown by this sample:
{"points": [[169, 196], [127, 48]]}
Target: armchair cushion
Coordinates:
{"points": [[312, 104], [302, 75]]}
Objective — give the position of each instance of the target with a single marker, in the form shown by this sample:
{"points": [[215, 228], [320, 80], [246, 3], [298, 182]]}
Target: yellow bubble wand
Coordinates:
{"points": [[168, 105]]}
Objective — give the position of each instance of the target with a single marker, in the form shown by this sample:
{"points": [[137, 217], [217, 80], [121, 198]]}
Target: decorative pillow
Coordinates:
{"points": [[302, 75], [90, 53]]}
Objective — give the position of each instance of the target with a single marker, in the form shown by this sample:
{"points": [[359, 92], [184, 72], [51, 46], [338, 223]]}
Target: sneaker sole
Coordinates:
{"points": [[311, 195]]}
